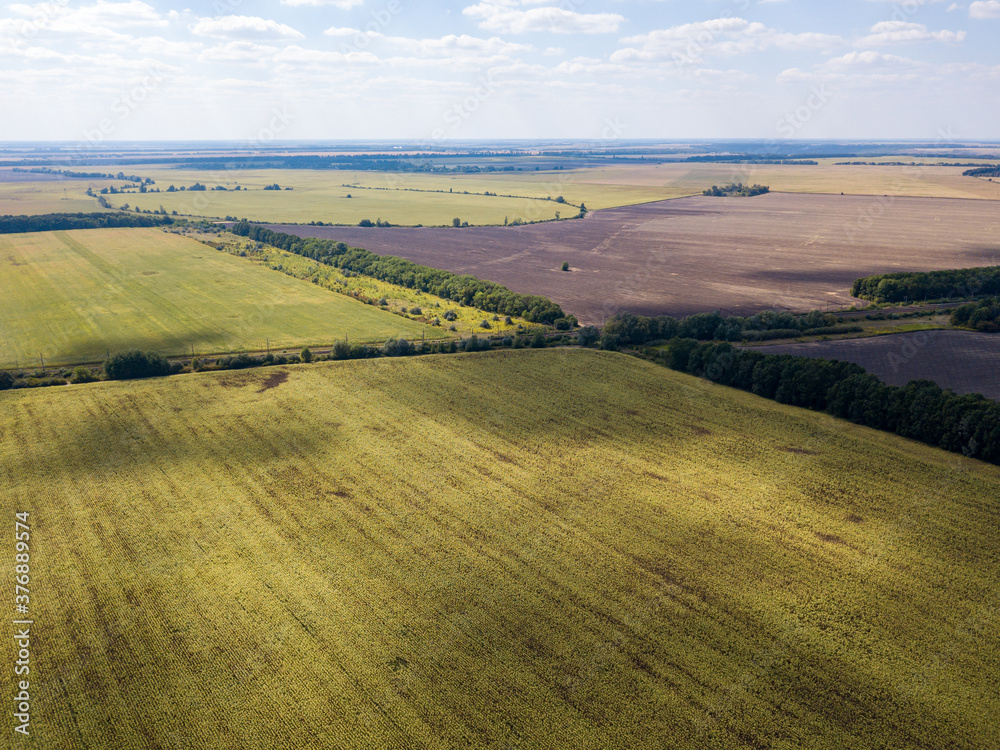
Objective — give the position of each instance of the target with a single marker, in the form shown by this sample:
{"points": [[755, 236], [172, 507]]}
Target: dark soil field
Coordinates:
{"points": [[739, 255], [964, 361]]}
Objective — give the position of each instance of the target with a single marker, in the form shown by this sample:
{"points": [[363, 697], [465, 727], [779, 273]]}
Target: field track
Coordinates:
{"points": [[401, 554], [689, 255], [964, 361]]}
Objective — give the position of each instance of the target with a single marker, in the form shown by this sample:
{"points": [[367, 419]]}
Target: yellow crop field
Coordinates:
{"points": [[71, 297], [520, 549]]}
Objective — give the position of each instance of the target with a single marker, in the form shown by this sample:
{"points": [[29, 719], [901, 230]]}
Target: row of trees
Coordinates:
{"points": [[981, 316], [909, 286], [983, 172], [628, 329], [51, 222], [920, 410], [467, 290]]}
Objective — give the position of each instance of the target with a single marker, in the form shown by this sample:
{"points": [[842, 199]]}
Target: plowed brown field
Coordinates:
{"points": [[964, 361], [699, 254]]}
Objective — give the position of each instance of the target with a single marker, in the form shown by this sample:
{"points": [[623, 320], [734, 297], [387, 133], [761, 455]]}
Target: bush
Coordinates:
{"points": [[565, 265], [484, 323], [416, 311], [82, 375], [306, 355], [538, 340], [587, 336], [450, 316], [135, 364], [397, 348]]}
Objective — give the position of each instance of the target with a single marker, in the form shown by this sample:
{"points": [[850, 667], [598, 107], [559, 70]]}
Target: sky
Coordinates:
{"points": [[443, 70]]}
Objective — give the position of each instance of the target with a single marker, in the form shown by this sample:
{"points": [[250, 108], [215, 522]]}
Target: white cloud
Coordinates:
{"points": [[985, 9], [238, 51], [859, 68], [342, 4], [505, 17], [894, 32], [691, 42], [244, 27]]}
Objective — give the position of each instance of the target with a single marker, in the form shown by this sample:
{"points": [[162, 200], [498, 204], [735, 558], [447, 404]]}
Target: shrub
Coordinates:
{"points": [[397, 348], [136, 364], [565, 265], [82, 375], [306, 355], [484, 323], [587, 336], [416, 311], [383, 302], [450, 315], [538, 340]]}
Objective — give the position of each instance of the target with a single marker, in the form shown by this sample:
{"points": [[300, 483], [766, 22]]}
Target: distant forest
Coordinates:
{"points": [[51, 222]]}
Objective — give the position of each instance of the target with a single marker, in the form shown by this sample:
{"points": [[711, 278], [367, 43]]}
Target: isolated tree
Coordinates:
{"points": [[305, 355], [456, 222], [565, 265]]}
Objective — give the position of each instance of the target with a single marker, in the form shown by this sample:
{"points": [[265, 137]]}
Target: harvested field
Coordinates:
{"points": [[700, 254], [964, 361], [536, 549]]}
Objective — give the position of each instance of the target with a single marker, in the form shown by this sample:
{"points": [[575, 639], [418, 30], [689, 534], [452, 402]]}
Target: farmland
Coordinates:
{"points": [[699, 254], [963, 361], [73, 296], [398, 554], [435, 199]]}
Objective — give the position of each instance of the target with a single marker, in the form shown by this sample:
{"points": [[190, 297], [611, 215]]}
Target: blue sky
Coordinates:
{"points": [[440, 70]]}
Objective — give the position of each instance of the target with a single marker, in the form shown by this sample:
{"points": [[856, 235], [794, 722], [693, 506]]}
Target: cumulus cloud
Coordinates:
{"points": [[894, 32], [342, 4], [985, 9], [244, 27], [692, 42], [506, 16]]}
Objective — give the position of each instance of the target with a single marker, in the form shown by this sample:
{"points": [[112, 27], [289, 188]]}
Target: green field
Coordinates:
{"points": [[73, 296], [531, 549]]}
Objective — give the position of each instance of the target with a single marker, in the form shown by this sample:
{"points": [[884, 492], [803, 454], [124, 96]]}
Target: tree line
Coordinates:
{"points": [[53, 222], [909, 286], [465, 289], [628, 329], [920, 410], [993, 171]]}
